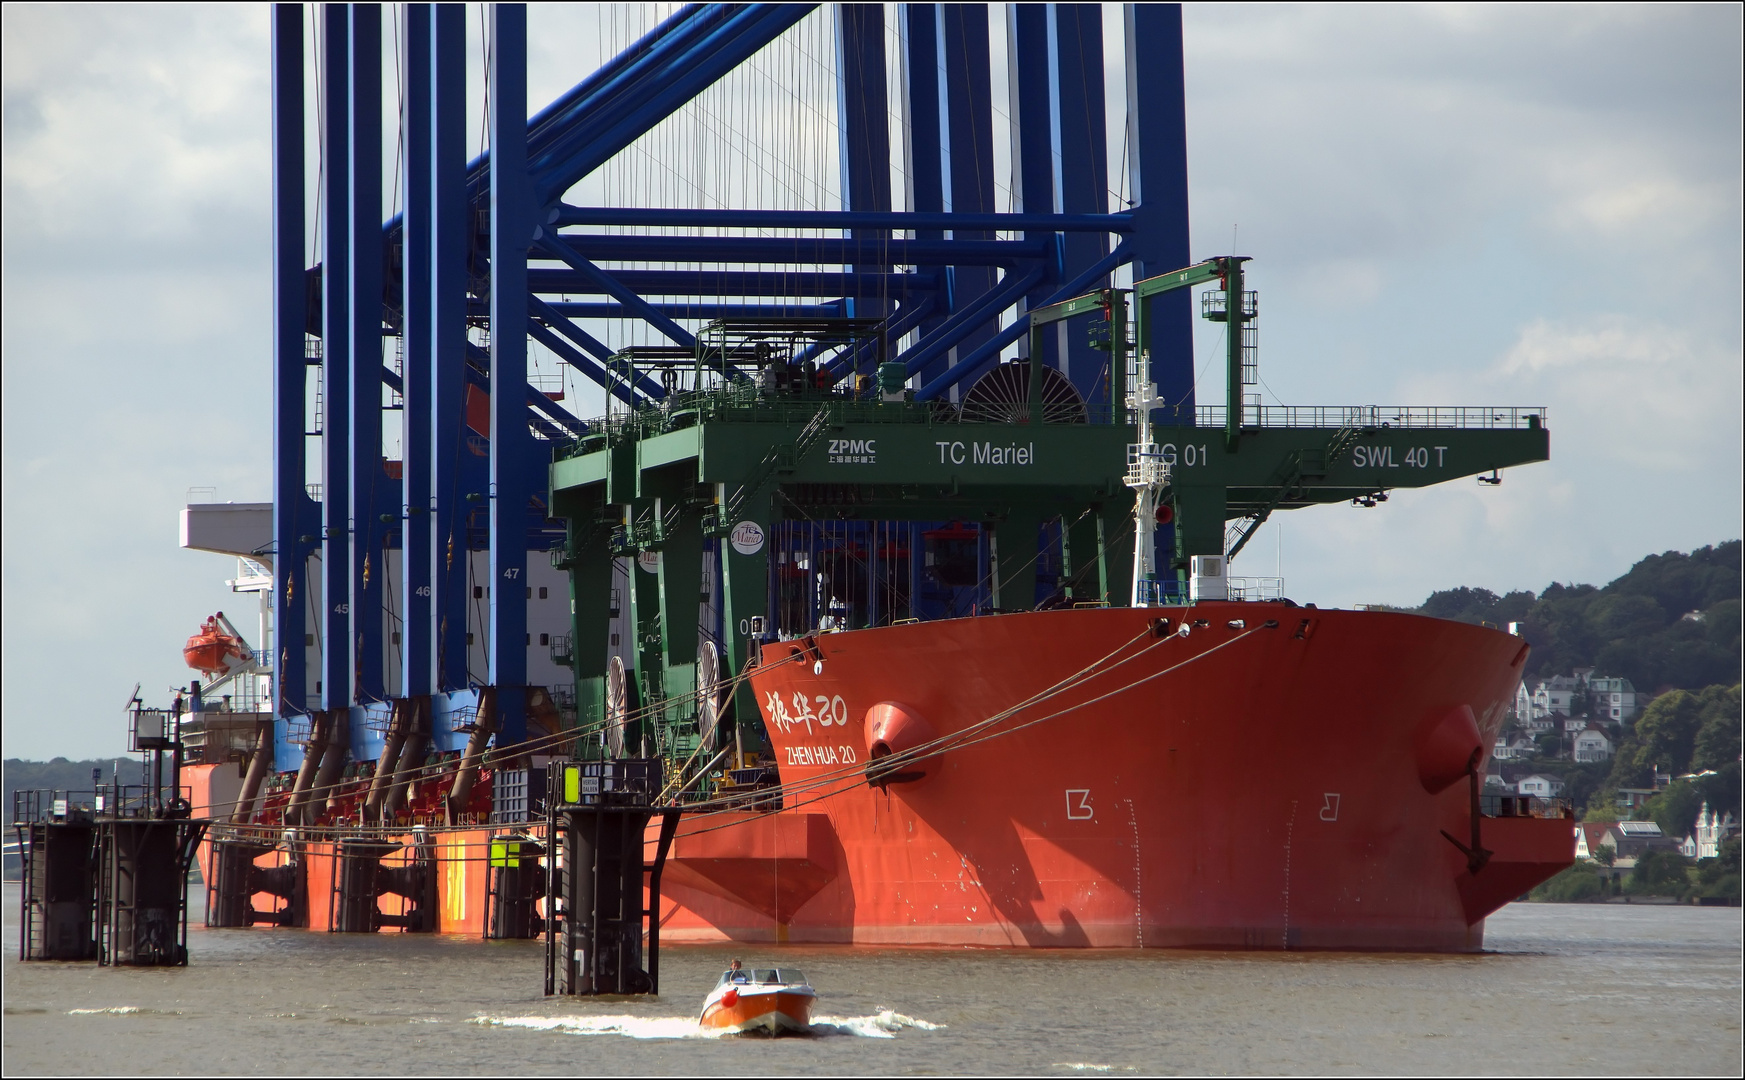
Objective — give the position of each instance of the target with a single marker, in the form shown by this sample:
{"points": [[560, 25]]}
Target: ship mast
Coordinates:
{"points": [[1147, 475]]}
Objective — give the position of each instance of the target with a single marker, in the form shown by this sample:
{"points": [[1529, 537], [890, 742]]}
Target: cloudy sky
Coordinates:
{"points": [[1509, 205]]}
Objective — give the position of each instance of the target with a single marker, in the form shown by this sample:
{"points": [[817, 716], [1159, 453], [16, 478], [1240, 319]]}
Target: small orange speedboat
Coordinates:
{"points": [[765, 1001]]}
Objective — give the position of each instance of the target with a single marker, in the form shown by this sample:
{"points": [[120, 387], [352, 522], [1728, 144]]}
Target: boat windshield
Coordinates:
{"points": [[764, 976], [784, 976]]}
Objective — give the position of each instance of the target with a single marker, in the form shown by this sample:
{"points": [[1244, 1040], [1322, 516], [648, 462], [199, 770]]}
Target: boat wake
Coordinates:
{"points": [[883, 1024]]}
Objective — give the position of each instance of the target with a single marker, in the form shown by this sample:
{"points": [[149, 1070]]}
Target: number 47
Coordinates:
{"points": [[512, 573]]}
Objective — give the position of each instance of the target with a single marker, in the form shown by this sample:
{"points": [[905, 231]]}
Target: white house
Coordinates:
{"points": [[1712, 830], [1538, 725], [1609, 697], [1627, 839], [1540, 786], [1592, 744], [1613, 698], [1589, 838], [1507, 749], [1555, 695]]}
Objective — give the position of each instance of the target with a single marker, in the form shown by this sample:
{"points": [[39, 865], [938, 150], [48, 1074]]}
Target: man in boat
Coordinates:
{"points": [[735, 974]]}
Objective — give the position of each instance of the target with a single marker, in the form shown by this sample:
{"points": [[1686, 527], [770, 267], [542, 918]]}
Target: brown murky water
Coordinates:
{"points": [[1565, 990]]}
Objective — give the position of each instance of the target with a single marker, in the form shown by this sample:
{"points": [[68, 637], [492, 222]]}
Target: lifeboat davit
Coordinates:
{"points": [[766, 1001], [216, 650]]}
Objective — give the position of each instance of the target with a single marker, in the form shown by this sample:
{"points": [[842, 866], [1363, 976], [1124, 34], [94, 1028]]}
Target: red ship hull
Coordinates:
{"points": [[1244, 786], [1265, 791]]}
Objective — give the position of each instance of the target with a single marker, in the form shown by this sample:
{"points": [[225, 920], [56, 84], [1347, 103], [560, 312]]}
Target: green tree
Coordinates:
{"points": [[1720, 876], [1672, 621], [1664, 737], [1674, 809], [1620, 615], [1581, 780], [1478, 606], [1604, 855], [1726, 863], [1717, 742], [1659, 872], [1575, 884]]}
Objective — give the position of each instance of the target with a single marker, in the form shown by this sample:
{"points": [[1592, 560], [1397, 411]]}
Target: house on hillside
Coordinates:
{"points": [[1627, 840], [1612, 697], [1632, 838], [1538, 725], [1548, 696], [1589, 838], [1592, 744], [1540, 786], [1712, 830], [1507, 749], [1609, 697]]}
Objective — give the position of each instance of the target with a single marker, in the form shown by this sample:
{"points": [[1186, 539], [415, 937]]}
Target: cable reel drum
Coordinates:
{"points": [[710, 692], [617, 705]]}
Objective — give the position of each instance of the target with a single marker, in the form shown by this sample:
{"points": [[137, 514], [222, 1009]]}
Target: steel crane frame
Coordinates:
{"points": [[487, 235]]}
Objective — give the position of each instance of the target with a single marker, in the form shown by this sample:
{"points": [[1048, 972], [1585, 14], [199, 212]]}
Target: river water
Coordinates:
{"points": [[1564, 990]]}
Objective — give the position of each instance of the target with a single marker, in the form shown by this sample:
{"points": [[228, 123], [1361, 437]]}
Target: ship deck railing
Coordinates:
{"points": [[1526, 806], [109, 800], [746, 405], [736, 405], [1430, 417]]}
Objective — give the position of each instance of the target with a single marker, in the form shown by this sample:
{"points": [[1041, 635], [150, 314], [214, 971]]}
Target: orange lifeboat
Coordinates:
{"points": [[217, 649]]}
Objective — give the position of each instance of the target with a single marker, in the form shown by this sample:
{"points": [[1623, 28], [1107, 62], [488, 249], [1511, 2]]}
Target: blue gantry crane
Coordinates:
{"points": [[401, 588]]}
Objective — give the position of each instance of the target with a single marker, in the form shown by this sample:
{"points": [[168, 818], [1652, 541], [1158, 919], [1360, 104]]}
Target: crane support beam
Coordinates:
{"points": [[1042, 221], [335, 193], [369, 483], [451, 232], [293, 518], [512, 463], [417, 326]]}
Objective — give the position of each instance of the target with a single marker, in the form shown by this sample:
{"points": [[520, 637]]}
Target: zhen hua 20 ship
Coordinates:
{"points": [[910, 630], [912, 687]]}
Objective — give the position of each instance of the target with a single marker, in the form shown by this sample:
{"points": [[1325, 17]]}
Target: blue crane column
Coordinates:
{"points": [[512, 461], [865, 133], [926, 194], [291, 518], [335, 363], [1158, 175], [416, 326], [1060, 154], [368, 478], [968, 163], [450, 235], [1080, 153]]}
